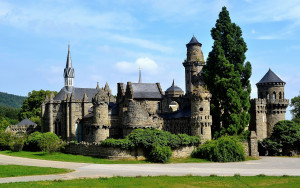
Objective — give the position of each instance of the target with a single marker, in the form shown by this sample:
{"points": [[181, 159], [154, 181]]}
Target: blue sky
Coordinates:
{"points": [[111, 39]]}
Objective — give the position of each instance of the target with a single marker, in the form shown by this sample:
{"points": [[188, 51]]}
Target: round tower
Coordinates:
{"points": [[271, 89], [201, 120], [194, 57], [100, 118]]}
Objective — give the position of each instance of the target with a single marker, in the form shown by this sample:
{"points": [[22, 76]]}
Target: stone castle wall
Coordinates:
{"points": [[95, 150]]}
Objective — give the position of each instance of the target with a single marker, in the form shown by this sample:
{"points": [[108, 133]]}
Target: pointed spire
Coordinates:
{"points": [[140, 74], [173, 84], [69, 60], [98, 88]]}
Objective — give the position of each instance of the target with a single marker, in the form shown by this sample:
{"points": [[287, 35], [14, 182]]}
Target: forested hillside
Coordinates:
{"points": [[10, 100]]}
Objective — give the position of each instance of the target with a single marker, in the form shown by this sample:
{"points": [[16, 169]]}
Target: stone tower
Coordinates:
{"points": [[69, 73], [100, 118], [201, 120], [271, 89], [194, 58]]}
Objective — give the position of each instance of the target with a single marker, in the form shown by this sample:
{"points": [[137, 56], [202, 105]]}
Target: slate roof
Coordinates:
{"points": [[26, 122], [173, 88], [270, 77], [146, 91], [77, 92], [193, 41]]}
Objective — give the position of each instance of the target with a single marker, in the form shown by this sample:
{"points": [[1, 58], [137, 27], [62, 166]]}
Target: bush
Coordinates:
{"points": [[224, 149], [153, 139], [284, 139], [50, 142], [5, 138], [121, 143], [17, 142], [268, 147], [31, 143], [160, 154]]}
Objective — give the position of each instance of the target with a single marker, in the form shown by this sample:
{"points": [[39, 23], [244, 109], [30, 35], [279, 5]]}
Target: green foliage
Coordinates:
{"points": [[153, 139], [8, 116], [16, 142], [224, 149], [268, 147], [227, 77], [160, 154], [31, 107], [31, 143], [5, 138], [50, 142], [285, 138], [9, 100], [120, 143], [295, 103]]}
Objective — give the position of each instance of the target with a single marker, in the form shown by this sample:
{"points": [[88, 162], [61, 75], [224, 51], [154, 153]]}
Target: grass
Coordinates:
{"points": [[168, 181], [18, 170], [86, 159]]}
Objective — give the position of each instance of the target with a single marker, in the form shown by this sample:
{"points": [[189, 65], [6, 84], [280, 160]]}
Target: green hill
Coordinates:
{"points": [[10, 100]]}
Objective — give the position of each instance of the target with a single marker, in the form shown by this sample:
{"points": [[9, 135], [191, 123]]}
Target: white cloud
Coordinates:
{"points": [[147, 65], [142, 43]]}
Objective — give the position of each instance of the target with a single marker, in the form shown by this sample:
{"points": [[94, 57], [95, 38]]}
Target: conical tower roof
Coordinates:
{"points": [[193, 41], [69, 70], [270, 77]]}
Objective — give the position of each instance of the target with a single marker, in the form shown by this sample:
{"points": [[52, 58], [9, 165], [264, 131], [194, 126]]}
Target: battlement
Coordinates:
{"points": [[258, 101]]}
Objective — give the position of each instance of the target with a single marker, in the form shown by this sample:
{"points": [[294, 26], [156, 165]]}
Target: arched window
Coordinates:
{"points": [[268, 96], [280, 95], [274, 95]]}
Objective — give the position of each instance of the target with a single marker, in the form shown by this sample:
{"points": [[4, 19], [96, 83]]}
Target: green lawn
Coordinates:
{"points": [[18, 170], [168, 181], [86, 159]]}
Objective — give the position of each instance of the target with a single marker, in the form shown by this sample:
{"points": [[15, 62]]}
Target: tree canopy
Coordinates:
{"points": [[31, 107], [295, 103], [227, 77], [10, 100]]}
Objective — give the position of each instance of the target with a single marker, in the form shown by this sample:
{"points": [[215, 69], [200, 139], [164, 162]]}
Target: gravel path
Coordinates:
{"points": [[271, 166]]}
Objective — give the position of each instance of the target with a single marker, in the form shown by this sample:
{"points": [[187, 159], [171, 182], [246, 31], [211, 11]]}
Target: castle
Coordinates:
{"points": [[94, 114]]}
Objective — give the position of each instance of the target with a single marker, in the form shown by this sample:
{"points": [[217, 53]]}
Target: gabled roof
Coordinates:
{"points": [[77, 92], [146, 91], [26, 122], [270, 77], [193, 41]]}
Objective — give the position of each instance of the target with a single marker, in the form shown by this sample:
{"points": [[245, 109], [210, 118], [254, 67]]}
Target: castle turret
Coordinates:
{"points": [[101, 121], [271, 89], [69, 73], [201, 120], [194, 58]]}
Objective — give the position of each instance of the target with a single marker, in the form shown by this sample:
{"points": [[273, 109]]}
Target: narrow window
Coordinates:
{"points": [[280, 95], [274, 95]]}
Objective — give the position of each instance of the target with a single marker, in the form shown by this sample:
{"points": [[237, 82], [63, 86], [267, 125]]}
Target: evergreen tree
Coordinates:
{"points": [[227, 77]]}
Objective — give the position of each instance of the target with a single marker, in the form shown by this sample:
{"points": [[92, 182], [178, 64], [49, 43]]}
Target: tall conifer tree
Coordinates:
{"points": [[227, 77]]}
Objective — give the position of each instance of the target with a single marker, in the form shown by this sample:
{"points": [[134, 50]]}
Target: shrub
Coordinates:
{"points": [[16, 142], [160, 154], [31, 143], [268, 147], [284, 139], [121, 143], [50, 142], [224, 149], [5, 138], [156, 143]]}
